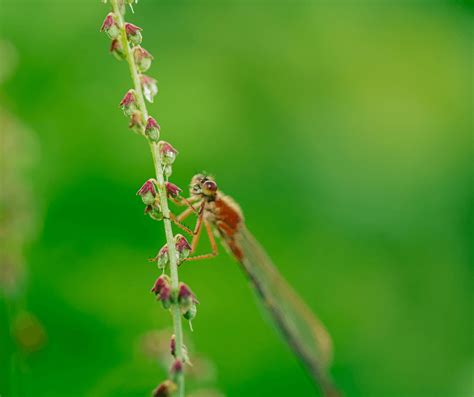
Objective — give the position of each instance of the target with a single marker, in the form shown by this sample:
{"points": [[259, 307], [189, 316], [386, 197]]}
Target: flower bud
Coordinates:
{"points": [[168, 153], [150, 88], [176, 369], [154, 211], [186, 298], [191, 313], [152, 130], [147, 192], [183, 249], [173, 345], [172, 189], [165, 389], [162, 259], [136, 122], [129, 103], [109, 26], [162, 289], [142, 58], [133, 33], [117, 50]]}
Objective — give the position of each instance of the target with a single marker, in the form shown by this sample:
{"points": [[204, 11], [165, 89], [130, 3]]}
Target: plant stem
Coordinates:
{"points": [[175, 309]]}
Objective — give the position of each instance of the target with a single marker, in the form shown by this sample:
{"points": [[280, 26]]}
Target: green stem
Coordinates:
{"points": [[175, 309]]}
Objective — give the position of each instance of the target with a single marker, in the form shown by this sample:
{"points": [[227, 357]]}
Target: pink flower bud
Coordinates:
{"points": [[147, 192], [168, 153], [172, 190], [187, 301], [150, 88], [165, 389], [133, 33], [162, 259], [160, 283], [173, 345], [162, 289], [182, 247], [109, 26], [152, 130], [185, 292], [176, 368], [142, 58], [129, 103], [117, 50]]}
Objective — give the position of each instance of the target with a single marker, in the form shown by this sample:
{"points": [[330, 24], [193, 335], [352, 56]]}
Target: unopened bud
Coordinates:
{"points": [[162, 259], [147, 192], [183, 249], [109, 26], [172, 189], [186, 298], [142, 58], [176, 369], [162, 290], [129, 103], [150, 88], [173, 345], [152, 130], [133, 33], [191, 313], [165, 389], [136, 122], [117, 50], [154, 211], [168, 153]]}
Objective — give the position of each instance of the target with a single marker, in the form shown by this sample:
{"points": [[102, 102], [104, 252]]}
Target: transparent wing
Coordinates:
{"points": [[302, 330]]}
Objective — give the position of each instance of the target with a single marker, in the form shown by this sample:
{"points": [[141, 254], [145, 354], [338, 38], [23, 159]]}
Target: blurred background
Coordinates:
{"points": [[343, 130]]}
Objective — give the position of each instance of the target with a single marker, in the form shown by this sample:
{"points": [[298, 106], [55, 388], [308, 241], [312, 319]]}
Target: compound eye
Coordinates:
{"points": [[210, 186]]}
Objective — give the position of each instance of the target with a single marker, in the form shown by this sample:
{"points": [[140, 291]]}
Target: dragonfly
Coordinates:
{"points": [[302, 330]]}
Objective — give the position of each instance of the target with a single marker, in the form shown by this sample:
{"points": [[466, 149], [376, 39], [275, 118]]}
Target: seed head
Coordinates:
{"points": [[152, 130], [142, 58]]}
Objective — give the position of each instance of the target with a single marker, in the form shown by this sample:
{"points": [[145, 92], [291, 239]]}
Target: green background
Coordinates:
{"points": [[342, 129]]}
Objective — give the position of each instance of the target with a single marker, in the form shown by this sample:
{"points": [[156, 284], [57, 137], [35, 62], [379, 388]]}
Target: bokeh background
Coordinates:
{"points": [[343, 130]]}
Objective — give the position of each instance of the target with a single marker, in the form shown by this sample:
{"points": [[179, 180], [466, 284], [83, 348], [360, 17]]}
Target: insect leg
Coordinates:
{"points": [[214, 248]]}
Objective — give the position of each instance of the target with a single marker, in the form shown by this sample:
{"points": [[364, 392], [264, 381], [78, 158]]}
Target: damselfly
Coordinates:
{"points": [[302, 330]]}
